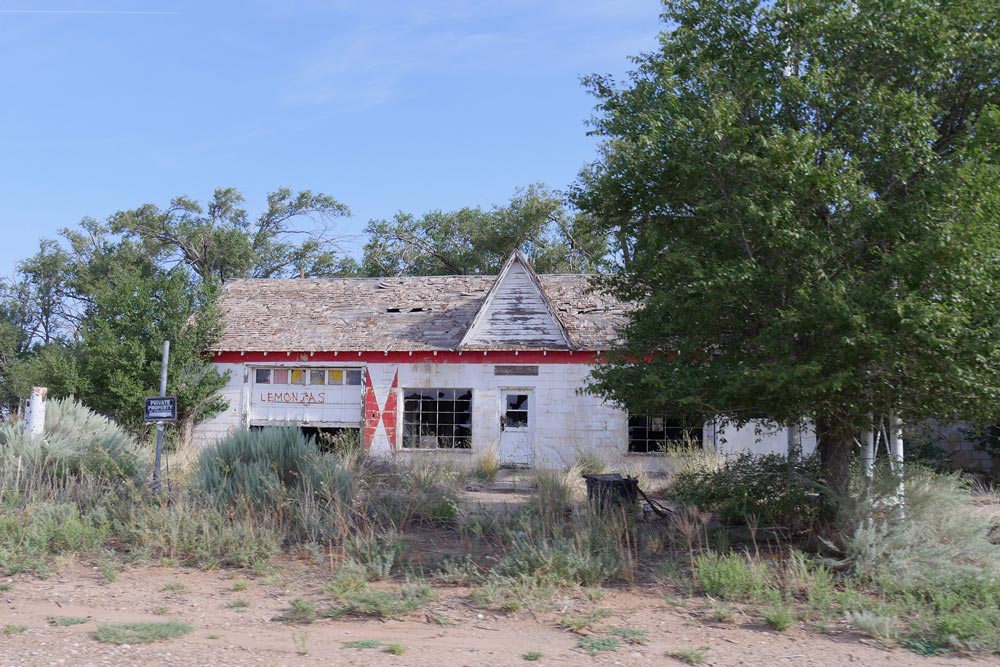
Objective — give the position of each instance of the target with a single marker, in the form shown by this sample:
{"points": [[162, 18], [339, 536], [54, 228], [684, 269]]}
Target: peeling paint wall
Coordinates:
{"points": [[563, 422]]}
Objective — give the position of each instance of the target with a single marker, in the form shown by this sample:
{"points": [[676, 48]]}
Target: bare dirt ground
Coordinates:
{"points": [[449, 633]]}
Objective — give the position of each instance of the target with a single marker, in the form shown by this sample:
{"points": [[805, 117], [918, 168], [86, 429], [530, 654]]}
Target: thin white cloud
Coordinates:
{"points": [[378, 50], [136, 12], [365, 68]]}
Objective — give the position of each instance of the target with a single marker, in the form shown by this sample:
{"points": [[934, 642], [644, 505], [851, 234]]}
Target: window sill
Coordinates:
{"points": [[429, 449]]}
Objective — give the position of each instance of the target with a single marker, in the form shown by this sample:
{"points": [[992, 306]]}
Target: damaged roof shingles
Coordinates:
{"points": [[394, 314]]}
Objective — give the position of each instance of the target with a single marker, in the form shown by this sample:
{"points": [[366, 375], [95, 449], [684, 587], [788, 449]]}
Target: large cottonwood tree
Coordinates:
{"points": [[806, 198]]}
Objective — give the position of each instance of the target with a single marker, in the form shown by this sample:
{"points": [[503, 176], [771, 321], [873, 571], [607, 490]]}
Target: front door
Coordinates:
{"points": [[516, 422]]}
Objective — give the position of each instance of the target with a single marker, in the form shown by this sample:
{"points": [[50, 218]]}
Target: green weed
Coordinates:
{"points": [[730, 576], [595, 645], [64, 621], [631, 635], [140, 633], [300, 611], [361, 644], [689, 656]]}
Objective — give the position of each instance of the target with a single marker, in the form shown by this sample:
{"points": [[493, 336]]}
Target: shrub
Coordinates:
{"points": [[778, 616], [376, 555], [29, 539], [931, 542], [261, 467], [772, 488], [77, 442], [880, 626], [203, 536]]}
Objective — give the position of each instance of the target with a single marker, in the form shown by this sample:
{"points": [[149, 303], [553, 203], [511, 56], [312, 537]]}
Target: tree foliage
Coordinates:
{"points": [[222, 241], [477, 241], [87, 316], [805, 197]]}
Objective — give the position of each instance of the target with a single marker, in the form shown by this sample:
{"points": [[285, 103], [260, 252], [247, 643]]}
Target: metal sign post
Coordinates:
{"points": [[159, 422]]}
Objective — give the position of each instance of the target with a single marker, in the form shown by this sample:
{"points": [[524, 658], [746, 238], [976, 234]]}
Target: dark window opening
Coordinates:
{"points": [[656, 434], [516, 411], [437, 418], [328, 440]]}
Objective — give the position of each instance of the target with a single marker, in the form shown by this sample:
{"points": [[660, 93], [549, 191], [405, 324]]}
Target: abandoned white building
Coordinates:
{"points": [[441, 366]]}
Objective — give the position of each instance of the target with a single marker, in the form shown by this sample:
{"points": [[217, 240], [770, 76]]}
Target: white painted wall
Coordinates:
{"points": [[564, 421], [758, 437]]}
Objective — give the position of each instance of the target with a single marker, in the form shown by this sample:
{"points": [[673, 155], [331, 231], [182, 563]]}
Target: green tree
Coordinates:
{"points": [[135, 308], [805, 197], [290, 238], [477, 241]]}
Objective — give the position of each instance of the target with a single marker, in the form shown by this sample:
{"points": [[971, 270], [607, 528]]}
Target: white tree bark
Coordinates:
{"points": [[34, 419]]}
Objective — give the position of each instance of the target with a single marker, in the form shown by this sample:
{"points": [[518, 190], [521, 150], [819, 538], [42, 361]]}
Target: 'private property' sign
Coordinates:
{"points": [[161, 409]]}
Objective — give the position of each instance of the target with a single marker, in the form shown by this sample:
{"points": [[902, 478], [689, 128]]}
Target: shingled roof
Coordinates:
{"points": [[395, 314]]}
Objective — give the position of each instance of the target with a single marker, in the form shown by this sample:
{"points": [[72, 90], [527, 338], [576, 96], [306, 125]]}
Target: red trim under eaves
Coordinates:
{"points": [[534, 357]]}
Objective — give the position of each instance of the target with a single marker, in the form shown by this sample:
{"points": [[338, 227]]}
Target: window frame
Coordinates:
{"points": [[678, 426], [449, 434]]}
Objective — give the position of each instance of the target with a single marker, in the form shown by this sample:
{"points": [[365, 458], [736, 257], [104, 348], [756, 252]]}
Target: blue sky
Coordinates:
{"points": [[387, 106]]}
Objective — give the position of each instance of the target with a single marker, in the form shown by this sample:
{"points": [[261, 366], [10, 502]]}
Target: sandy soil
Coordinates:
{"points": [[449, 633]]}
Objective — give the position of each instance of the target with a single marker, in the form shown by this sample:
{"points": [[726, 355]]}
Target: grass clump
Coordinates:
{"points": [[361, 644], [380, 604], [595, 645], [631, 635], [300, 611], [575, 623], [730, 576], [880, 626], [487, 465], [14, 629], [533, 656], [140, 633], [689, 656], [65, 621], [395, 648], [375, 554], [778, 616]]}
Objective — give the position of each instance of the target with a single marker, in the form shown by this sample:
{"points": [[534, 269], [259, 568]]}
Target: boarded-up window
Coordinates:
{"points": [[437, 418], [656, 434]]}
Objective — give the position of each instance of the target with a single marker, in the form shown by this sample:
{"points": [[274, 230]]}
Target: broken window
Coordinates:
{"points": [[517, 411], [437, 418], [648, 434]]}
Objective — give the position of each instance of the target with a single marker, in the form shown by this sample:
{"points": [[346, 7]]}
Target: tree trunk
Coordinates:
{"points": [[836, 447]]}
